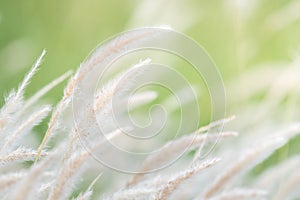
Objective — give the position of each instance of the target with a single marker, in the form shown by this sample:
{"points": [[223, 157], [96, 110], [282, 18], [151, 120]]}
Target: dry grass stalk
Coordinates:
{"points": [[241, 165], [37, 96], [19, 155], [174, 183], [32, 120], [10, 179], [174, 148], [71, 168]]}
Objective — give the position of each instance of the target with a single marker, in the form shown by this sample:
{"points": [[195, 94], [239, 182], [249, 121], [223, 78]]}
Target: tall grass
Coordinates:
{"points": [[58, 171]]}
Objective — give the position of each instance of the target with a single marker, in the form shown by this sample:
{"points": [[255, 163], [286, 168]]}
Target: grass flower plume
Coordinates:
{"points": [[60, 167]]}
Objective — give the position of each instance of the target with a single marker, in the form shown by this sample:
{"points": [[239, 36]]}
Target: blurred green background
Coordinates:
{"points": [[238, 34]]}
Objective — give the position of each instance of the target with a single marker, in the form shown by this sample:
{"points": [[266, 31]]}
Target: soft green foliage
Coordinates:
{"points": [[237, 34]]}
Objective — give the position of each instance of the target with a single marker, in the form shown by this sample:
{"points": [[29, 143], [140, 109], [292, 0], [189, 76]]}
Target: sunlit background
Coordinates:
{"points": [[254, 43], [238, 34]]}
